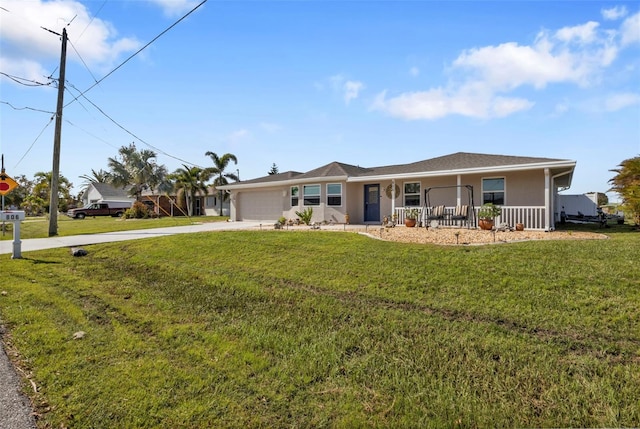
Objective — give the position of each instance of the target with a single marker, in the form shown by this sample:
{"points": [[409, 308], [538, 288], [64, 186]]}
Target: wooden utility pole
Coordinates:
{"points": [[55, 172]]}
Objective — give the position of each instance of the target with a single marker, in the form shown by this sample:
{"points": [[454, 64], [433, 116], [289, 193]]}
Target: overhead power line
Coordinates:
{"points": [[138, 51]]}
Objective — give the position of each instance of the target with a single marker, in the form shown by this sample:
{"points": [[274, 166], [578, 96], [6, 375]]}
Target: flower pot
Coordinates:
{"points": [[519, 226], [410, 223], [485, 224]]}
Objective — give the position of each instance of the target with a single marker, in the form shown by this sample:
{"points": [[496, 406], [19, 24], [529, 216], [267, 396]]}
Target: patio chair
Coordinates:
{"points": [[461, 213], [436, 213]]}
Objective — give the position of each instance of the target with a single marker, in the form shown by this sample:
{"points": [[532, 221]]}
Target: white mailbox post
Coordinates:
{"points": [[16, 217]]}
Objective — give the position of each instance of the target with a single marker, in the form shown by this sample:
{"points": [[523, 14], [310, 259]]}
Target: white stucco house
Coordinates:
{"points": [[103, 191], [526, 188]]}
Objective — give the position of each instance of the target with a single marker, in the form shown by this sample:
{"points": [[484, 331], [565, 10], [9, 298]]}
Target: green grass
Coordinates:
{"points": [[326, 329], [38, 227]]}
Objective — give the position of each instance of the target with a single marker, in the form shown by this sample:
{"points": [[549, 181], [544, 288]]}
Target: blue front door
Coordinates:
{"points": [[372, 203]]}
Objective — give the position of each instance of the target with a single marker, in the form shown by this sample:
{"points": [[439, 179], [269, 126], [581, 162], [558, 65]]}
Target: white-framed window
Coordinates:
{"points": [[295, 194], [493, 190], [210, 201], [311, 195], [412, 194], [334, 194]]}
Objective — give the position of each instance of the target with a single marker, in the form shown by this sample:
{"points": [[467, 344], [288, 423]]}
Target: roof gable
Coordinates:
{"points": [[335, 169], [108, 191]]}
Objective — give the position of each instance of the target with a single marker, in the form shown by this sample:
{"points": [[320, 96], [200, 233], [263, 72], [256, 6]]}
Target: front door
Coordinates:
{"points": [[372, 203]]}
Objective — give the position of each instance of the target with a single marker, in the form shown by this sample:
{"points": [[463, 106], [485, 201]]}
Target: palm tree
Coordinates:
{"points": [[220, 163], [99, 176], [137, 169], [42, 189], [188, 181]]}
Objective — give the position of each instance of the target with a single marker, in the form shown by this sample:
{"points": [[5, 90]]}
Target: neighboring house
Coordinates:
{"points": [[526, 188], [203, 205], [103, 191], [212, 203]]}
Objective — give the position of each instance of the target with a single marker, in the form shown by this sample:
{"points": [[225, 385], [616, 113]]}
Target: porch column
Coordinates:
{"points": [[547, 204], [459, 190], [393, 197]]}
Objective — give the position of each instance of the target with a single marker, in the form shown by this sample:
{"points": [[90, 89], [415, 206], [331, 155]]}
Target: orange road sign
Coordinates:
{"points": [[7, 184]]}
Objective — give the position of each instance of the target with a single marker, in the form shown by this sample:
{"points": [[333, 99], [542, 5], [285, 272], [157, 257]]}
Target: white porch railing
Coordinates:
{"points": [[532, 217]]}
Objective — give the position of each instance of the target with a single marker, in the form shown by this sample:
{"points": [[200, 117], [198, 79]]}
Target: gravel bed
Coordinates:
{"points": [[463, 236]]}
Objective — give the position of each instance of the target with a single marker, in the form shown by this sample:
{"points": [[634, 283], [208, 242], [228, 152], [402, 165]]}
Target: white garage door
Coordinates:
{"points": [[266, 205]]}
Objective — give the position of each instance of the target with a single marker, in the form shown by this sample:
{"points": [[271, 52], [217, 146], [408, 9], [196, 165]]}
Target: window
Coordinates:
{"points": [[493, 191], [294, 196], [311, 195], [210, 202], [412, 194], [334, 194]]}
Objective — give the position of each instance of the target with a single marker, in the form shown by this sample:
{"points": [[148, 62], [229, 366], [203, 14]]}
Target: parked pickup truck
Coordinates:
{"points": [[115, 209]]}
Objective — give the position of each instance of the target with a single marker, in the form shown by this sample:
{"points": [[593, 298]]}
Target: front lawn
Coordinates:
{"points": [[327, 329], [38, 227]]}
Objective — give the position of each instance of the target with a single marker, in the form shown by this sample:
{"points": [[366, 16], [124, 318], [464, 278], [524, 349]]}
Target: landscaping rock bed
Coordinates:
{"points": [[463, 236]]}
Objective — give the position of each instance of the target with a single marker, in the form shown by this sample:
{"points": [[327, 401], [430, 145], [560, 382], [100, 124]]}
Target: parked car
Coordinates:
{"points": [[102, 208]]}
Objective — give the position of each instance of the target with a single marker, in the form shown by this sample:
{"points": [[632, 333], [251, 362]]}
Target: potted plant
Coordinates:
{"points": [[487, 214], [411, 216]]}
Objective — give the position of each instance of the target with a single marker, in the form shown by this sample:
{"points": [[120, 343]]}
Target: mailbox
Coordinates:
{"points": [[11, 216]]}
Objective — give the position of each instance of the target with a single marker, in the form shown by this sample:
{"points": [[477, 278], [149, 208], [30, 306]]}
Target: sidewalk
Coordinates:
{"points": [[15, 409]]}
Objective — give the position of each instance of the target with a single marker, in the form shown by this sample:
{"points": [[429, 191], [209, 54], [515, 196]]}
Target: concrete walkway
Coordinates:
{"points": [[15, 409]]}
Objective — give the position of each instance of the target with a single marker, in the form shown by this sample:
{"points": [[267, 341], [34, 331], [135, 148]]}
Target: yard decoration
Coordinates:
{"points": [[487, 214], [411, 217]]}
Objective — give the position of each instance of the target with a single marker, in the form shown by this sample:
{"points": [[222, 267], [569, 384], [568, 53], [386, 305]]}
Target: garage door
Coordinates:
{"points": [[266, 205]]}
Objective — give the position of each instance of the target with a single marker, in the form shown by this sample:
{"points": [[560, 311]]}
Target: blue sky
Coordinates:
{"points": [[304, 83]]}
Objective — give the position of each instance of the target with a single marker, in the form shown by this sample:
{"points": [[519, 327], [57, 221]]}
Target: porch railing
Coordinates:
{"points": [[532, 217]]}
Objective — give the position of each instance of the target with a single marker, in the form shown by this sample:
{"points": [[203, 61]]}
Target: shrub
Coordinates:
{"points": [[306, 215], [139, 211]]}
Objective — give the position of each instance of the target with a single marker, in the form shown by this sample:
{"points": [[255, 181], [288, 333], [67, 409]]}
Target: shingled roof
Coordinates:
{"points": [[459, 161]]}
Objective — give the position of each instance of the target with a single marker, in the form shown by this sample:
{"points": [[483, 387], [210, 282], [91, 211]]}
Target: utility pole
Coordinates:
{"points": [[55, 172]]}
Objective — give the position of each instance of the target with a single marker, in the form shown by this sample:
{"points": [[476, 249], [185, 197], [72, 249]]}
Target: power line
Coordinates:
{"points": [[26, 108], [22, 80], [138, 51], [34, 142]]}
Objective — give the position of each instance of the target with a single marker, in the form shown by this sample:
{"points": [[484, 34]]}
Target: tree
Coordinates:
{"points": [[42, 189], [99, 176], [16, 197], [188, 182], [627, 184], [220, 164], [137, 170], [274, 169]]}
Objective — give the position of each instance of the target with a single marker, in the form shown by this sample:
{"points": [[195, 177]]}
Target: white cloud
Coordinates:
{"points": [[438, 103], [482, 78], [614, 13], [620, 101], [348, 89], [414, 71], [352, 90], [176, 7], [630, 30], [270, 127], [585, 33], [26, 46], [238, 136]]}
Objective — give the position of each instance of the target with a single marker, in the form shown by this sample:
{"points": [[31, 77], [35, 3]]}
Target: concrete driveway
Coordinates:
{"points": [[6, 246]]}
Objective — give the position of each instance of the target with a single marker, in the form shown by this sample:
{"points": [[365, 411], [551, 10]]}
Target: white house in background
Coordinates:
{"points": [[103, 191], [526, 188], [586, 204]]}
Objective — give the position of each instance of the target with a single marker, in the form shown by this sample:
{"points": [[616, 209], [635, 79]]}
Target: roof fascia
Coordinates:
{"points": [[288, 182], [481, 170]]}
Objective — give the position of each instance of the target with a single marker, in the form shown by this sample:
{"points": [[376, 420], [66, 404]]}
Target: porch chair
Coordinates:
{"points": [[461, 213], [436, 213]]}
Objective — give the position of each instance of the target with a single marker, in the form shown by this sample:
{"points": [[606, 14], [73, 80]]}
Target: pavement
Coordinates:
{"points": [[16, 411]]}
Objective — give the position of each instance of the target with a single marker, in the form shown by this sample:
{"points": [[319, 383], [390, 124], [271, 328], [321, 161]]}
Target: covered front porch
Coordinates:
{"points": [[532, 217]]}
